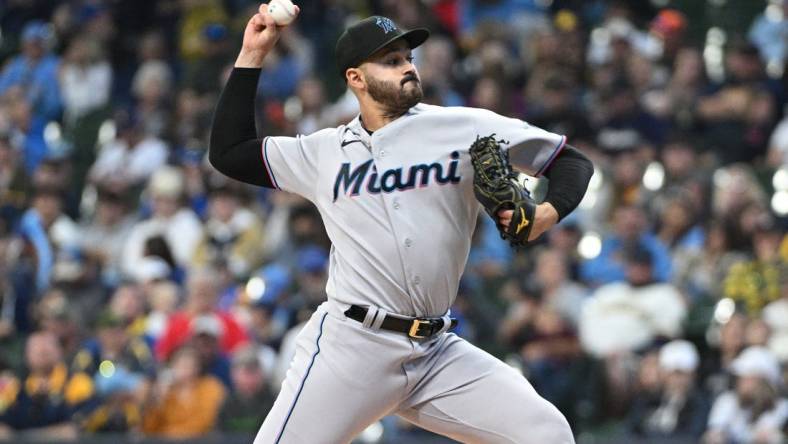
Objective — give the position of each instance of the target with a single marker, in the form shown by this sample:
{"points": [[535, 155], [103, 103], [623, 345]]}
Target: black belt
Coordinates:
{"points": [[417, 328]]}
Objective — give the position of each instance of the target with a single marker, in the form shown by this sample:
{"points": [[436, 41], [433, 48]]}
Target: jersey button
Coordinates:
{"points": [[416, 280], [408, 242], [382, 154], [396, 205]]}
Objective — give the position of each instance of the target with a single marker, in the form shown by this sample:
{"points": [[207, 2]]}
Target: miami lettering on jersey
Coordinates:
{"points": [[393, 179]]}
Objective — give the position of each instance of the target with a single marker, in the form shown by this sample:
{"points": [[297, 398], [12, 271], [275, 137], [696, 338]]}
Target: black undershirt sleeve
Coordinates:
{"points": [[234, 148], [568, 176]]}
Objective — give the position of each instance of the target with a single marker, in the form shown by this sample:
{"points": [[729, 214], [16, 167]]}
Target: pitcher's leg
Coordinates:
{"points": [[318, 402], [471, 396]]}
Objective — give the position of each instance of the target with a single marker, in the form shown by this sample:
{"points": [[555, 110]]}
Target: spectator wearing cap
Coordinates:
{"points": [[201, 303], [33, 73], [310, 279], [52, 400], [754, 410], [206, 332], [246, 407], [233, 234], [185, 402], [129, 160], [176, 224], [630, 229], [678, 409]]}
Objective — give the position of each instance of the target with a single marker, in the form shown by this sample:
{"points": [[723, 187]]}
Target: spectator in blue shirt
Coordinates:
{"points": [[630, 229], [34, 71]]}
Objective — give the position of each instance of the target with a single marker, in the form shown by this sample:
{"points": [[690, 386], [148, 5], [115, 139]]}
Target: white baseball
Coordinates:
{"points": [[282, 11]]}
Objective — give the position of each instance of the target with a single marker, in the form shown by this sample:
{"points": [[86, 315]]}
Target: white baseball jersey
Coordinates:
{"points": [[398, 205]]}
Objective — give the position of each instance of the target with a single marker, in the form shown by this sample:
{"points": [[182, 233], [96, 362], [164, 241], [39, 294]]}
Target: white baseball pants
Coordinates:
{"points": [[345, 376]]}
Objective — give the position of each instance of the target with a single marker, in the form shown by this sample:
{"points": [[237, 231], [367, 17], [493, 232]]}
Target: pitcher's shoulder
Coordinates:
{"points": [[459, 111]]}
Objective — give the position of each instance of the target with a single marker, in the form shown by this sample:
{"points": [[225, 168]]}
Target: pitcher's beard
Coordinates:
{"points": [[396, 101]]}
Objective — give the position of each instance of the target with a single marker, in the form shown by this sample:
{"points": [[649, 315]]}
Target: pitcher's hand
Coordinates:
{"points": [[260, 36]]}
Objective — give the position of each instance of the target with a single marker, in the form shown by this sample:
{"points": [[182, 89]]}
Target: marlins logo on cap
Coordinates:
{"points": [[385, 24], [364, 38]]}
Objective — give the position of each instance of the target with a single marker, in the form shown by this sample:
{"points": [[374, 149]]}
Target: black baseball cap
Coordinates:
{"points": [[364, 38]]}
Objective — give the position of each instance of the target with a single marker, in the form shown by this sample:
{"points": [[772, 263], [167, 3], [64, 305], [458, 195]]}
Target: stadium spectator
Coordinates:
{"points": [[169, 412], [754, 411], [233, 234], [51, 400], [630, 230], [245, 409], [162, 300], [113, 348], [677, 409], [755, 283], [32, 77], [200, 310], [105, 234], [628, 315], [177, 225], [131, 159], [740, 113], [206, 333]]}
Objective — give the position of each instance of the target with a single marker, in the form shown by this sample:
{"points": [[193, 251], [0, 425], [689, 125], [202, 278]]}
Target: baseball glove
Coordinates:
{"points": [[496, 187]]}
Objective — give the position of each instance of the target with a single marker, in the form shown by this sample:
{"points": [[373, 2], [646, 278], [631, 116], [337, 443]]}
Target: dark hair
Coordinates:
{"points": [[158, 246]]}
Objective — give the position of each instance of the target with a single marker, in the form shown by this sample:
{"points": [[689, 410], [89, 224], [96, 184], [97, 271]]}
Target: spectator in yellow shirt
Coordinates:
{"points": [[186, 402]]}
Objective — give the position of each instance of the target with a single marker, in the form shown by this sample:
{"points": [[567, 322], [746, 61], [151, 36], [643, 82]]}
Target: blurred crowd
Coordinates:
{"points": [[142, 293]]}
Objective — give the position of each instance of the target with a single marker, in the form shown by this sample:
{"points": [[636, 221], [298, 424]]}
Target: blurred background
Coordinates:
{"points": [[145, 297]]}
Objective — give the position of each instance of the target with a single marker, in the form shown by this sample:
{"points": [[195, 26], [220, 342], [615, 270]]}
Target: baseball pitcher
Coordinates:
{"points": [[399, 189]]}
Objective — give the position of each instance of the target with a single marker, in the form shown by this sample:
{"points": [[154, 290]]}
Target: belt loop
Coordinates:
{"points": [[446, 324], [379, 320], [370, 316]]}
